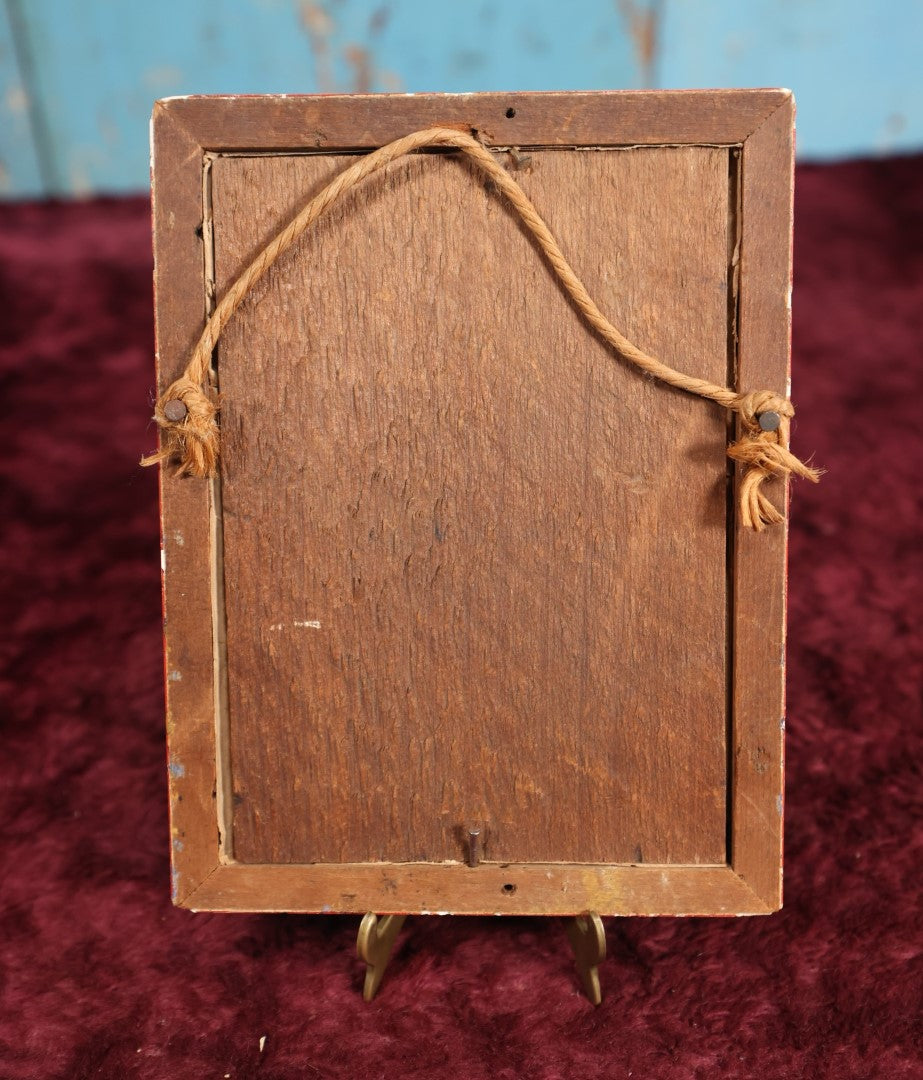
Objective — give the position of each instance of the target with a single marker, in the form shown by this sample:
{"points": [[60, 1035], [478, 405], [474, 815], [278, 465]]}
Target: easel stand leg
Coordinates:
{"points": [[374, 945], [377, 935], [587, 936]]}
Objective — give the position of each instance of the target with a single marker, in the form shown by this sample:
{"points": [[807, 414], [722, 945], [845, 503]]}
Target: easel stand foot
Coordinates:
{"points": [[377, 935]]}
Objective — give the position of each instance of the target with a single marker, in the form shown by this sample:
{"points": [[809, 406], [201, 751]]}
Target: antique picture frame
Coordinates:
{"points": [[745, 141]]}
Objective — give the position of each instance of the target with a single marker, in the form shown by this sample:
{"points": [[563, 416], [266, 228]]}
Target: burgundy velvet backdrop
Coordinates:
{"points": [[101, 977]]}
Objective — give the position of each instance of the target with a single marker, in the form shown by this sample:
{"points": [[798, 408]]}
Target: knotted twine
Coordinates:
{"points": [[187, 410]]}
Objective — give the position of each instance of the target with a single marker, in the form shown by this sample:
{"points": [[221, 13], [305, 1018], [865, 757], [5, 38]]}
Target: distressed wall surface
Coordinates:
{"points": [[78, 77]]}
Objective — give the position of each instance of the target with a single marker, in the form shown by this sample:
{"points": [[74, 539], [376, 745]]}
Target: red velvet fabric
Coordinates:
{"points": [[101, 977]]}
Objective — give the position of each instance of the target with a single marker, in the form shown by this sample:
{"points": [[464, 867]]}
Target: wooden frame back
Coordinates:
{"points": [[758, 126]]}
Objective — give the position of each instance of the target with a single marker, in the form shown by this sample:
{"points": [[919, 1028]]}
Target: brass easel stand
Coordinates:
{"points": [[377, 935], [587, 936], [374, 944]]}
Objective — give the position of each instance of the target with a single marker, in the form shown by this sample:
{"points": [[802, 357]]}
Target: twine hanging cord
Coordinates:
{"points": [[187, 410]]}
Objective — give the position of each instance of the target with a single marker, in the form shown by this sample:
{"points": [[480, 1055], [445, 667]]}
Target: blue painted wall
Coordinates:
{"points": [[78, 77]]}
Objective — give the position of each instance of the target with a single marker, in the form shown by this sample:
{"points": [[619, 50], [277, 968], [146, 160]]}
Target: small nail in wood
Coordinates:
{"points": [[474, 847]]}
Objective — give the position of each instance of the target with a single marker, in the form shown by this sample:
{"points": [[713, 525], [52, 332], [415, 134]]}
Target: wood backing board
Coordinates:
{"points": [[461, 565]]}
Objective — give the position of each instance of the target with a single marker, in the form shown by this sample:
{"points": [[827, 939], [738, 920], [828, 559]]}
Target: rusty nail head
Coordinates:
{"points": [[175, 410]]}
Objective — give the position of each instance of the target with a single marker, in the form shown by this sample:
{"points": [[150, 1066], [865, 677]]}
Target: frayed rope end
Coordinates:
{"points": [[766, 454], [187, 417]]}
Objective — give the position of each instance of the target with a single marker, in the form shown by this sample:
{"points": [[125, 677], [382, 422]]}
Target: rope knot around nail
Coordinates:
{"points": [[752, 406], [765, 418], [187, 415]]}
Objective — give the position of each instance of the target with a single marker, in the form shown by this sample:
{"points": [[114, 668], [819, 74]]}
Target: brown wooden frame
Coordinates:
{"points": [[759, 123]]}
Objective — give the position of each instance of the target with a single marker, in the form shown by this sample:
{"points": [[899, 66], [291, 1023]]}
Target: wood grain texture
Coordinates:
{"points": [[476, 566], [186, 517], [760, 559], [614, 118], [430, 888]]}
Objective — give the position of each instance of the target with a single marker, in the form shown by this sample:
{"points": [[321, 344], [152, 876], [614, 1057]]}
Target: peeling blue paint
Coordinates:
{"points": [[176, 770], [94, 116]]}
